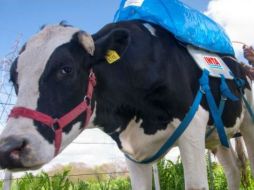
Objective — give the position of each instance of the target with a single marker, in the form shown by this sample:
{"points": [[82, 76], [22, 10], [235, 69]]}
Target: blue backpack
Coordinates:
{"points": [[188, 25]]}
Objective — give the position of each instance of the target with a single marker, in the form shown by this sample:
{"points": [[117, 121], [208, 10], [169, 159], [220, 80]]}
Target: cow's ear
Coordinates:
{"points": [[86, 41], [112, 45]]}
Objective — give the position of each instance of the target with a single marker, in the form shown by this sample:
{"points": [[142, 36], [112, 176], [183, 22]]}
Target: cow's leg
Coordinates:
{"points": [[140, 174], [192, 150], [231, 166], [247, 131]]}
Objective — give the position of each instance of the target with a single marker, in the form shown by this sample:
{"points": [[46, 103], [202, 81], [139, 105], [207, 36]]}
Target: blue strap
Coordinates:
{"points": [[188, 118], [177, 133], [240, 84], [225, 94], [222, 105], [250, 110], [204, 82], [221, 108], [225, 91]]}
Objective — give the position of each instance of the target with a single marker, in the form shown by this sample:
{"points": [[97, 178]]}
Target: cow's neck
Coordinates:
{"points": [[116, 113]]}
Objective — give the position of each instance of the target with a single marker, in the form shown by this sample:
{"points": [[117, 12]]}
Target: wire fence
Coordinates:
{"points": [[74, 175], [57, 167], [7, 95]]}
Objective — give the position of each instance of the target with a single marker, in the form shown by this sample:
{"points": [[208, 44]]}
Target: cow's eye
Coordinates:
{"points": [[66, 70]]}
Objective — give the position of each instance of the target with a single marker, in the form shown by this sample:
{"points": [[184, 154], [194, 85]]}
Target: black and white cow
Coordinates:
{"points": [[139, 100]]}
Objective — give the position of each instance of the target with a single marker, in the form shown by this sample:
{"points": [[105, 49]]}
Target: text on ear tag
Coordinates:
{"points": [[112, 56]]}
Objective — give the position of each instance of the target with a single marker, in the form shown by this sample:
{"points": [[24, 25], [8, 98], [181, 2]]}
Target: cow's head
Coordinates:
{"points": [[50, 76]]}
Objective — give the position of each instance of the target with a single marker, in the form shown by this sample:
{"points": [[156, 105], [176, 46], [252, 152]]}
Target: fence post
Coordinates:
{"points": [[210, 170], [156, 177], [7, 180]]}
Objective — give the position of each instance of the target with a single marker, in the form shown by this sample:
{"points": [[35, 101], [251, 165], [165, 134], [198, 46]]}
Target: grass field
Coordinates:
{"points": [[171, 178]]}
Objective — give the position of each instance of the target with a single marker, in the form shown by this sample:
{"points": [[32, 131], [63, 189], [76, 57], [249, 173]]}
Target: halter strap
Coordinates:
{"points": [[58, 124]]}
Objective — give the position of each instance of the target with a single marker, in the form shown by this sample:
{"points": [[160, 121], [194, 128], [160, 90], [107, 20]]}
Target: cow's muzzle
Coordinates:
{"points": [[12, 149]]}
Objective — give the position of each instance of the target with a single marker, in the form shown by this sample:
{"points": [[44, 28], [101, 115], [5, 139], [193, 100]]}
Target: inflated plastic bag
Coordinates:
{"points": [[188, 25]]}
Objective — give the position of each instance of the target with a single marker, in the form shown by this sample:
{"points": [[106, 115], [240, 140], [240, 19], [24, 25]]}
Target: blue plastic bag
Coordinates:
{"points": [[188, 25]]}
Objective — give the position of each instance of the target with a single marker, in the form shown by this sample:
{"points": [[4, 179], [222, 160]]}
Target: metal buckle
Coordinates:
{"points": [[91, 74], [55, 125], [87, 100], [92, 78], [201, 90], [224, 98]]}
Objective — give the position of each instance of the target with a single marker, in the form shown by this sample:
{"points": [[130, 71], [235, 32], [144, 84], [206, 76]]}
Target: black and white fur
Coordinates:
{"points": [[139, 100]]}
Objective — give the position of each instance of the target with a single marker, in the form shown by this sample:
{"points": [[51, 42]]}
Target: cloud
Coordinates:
{"points": [[236, 17]]}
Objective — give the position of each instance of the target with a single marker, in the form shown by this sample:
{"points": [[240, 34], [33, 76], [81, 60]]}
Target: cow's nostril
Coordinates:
{"points": [[11, 150], [15, 153]]}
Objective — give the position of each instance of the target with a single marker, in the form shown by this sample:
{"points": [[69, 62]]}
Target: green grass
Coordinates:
{"points": [[171, 175], [61, 182], [171, 178]]}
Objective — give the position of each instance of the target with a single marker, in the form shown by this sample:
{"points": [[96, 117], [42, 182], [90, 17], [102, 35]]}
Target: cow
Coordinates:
{"points": [[139, 100]]}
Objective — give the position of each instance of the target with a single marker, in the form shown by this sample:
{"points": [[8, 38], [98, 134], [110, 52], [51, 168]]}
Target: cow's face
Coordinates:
{"points": [[50, 75]]}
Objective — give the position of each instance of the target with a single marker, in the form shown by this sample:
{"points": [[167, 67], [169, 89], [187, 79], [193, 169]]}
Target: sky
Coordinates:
{"points": [[25, 17], [237, 18]]}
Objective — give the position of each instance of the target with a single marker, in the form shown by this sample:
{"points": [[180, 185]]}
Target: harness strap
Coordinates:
{"points": [[225, 91], [204, 82], [204, 89], [177, 133], [221, 108], [225, 94], [250, 110], [240, 84]]}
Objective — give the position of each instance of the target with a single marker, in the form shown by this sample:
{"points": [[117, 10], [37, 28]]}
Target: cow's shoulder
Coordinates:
{"points": [[150, 82]]}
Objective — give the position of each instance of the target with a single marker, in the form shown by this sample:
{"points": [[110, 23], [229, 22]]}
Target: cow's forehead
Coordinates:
{"points": [[52, 32], [51, 37], [41, 46], [33, 60]]}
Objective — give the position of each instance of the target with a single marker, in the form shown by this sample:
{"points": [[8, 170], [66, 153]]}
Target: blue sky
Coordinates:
{"points": [[26, 16]]}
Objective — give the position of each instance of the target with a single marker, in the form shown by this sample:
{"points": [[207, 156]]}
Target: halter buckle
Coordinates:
{"points": [[55, 125], [87, 100], [92, 78]]}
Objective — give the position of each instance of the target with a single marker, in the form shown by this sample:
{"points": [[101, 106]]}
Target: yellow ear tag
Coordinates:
{"points": [[112, 56]]}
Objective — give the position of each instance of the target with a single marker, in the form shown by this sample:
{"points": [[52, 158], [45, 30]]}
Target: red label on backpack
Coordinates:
{"points": [[213, 62]]}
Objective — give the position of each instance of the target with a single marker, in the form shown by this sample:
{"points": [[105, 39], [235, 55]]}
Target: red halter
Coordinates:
{"points": [[58, 124]]}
